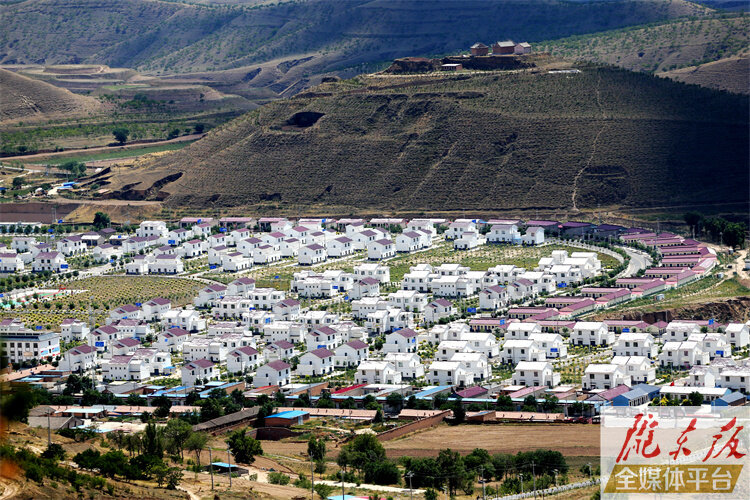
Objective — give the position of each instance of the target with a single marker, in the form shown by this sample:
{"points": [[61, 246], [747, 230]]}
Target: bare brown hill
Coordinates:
{"points": [[731, 74], [600, 137], [23, 98]]}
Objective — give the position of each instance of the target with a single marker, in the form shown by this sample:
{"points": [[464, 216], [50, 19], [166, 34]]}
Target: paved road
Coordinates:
{"points": [[638, 261]]}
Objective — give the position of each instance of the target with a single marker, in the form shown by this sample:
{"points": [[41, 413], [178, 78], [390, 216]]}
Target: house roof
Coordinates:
{"points": [[278, 365], [128, 342], [321, 352], [159, 301], [406, 333], [284, 344], [83, 349], [200, 363], [357, 344], [244, 350], [441, 303], [369, 281]]}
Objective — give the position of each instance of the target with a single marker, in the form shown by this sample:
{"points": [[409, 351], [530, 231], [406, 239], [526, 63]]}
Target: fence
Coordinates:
{"points": [[413, 426], [549, 491]]}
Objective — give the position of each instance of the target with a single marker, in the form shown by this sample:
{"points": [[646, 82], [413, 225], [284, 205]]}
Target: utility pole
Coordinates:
{"points": [[49, 428], [555, 473], [343, 493], [211, 467], [533, 475], [229, 462], [312, 479], [410, 474], [520, 478], [481, 474]]}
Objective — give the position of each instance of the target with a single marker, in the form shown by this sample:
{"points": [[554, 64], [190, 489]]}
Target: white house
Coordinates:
{"points": [[504, 233], [266, 298], [738, 334], [553, 344], [366, 287], [380, 249], [407, 300], [534, 236], [202, 347], [233, 262], [79, 358], [187, 319], [380, 272], [683, 354], [172, 339], [322, 337], [447, 348], [493, 298], [276, 373], [404, 340], [197, 371], [474, 363], [266, 254], [316, 363], [10, 262], [678, 331], [594, 333], [439, 309], [287, 309], [715, 344], [350, 353], [279, 350], [448, 373], [640, 369], [241, 286], [340, 247], [311, 254], [139, 264], [71, 245], [534, 374], [522, 331], [49, 261], [154, 309], [408, 241], [635, 344], [210, 295], [515, 351], [242, 360], [457, 229], [152, 228], [604, 376], [124, 346], [377, 372], [73, 329], [408, 364], [166, 264], [469, 240]]}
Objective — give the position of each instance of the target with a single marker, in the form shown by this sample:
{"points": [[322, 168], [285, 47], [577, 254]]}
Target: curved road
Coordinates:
{"points": [[638, 261]]}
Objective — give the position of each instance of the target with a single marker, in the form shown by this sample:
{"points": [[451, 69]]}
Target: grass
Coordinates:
{"points": [[115, 153]]}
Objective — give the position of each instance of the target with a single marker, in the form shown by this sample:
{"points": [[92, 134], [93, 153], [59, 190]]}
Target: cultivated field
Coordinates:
{"points": [[570, 440]]}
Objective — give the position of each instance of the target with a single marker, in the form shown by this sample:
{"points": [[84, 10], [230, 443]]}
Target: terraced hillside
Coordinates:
{"points": [[490, 142], [731, 74], [282, 46], [23, 97], [661, 46]]}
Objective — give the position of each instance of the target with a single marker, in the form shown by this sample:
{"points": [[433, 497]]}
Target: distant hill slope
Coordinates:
{"points": [[414, 144], [731, 74], [662, 46], [22, 98], [317, 36]]}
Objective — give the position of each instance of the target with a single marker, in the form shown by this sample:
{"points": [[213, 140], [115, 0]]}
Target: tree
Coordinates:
{"points": [[121, 134], [382, 472], [451, 465], [176, 433], [430, 494], [54, 451], [529, 403], [695, 398], [693, 220], [505, 403], [195, 443], [459, 412], [316, 448], [361, 450], [174, 476], [199, 127], [243, 447], [153, 444], [17, 182], [101, 220], [211, 409], [323, 490], [395, 401]]}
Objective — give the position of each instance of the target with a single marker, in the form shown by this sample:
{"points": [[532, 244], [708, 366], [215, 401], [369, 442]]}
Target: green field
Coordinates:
{"points": [[115, 153]]}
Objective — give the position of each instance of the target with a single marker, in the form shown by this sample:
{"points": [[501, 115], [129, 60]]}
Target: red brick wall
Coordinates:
{"points": [[413, 426]]}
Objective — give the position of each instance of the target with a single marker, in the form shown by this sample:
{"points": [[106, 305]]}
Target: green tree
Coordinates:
{"points": [[243, 447], [101, 220], [121, 134], [323, 490], [196, 443], [529, 403], [17, 182], [316, 448], [361, 450], [695, 398], [395, 401], [459, 412], [505, 403], [693, 220], [153, 442], [430, 494], [176, 434]]}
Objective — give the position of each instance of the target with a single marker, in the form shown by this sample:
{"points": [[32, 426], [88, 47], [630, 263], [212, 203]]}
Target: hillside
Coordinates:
{"points": [[490, 142], [22, 98], [731, 74], [662, 46], [285, 44]]}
